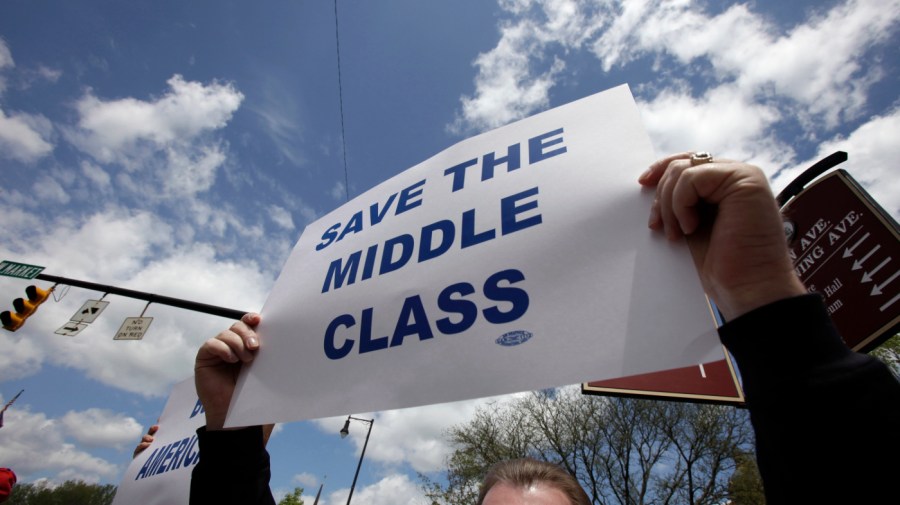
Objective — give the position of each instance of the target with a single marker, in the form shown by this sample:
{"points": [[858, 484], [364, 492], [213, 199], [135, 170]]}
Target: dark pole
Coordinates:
{"points": [[319, 493], [140, 295], [366, 443]]}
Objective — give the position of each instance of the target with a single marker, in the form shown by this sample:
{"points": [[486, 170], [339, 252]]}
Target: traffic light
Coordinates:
{"points": [[24, 308]]}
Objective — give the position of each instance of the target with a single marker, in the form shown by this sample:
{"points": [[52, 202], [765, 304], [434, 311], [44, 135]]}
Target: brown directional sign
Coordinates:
{"points": [[714, 382], [847, 248]]}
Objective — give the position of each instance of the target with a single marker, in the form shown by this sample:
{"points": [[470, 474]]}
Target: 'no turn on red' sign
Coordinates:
{"points": [[133, 328]]}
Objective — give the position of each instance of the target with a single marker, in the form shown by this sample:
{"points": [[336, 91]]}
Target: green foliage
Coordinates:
{"points": [[745, 486], [71, 492], [293, 498], [622, 451], [889, 352]]}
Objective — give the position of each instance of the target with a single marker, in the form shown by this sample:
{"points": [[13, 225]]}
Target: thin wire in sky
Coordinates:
{"points": [[337, 39]]}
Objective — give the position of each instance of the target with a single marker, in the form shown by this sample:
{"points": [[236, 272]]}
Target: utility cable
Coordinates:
{"points": [[337, 39]]}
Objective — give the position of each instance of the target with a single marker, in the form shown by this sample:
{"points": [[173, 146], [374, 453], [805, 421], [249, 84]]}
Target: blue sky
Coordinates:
{"points": [[180, 148]]}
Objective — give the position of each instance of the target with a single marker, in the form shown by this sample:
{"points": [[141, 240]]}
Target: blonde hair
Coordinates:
{"points": [[525, 472]]}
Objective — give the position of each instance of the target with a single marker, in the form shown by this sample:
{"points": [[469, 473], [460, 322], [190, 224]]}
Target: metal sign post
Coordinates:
{"points": [[134, 328]]}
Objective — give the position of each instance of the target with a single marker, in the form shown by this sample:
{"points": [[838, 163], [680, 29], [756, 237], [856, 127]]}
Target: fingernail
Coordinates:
{"points": [[252, 342], [653, 222], [645, 174]]}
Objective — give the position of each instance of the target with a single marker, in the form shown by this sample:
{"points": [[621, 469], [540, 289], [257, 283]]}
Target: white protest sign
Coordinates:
{"points": [[515, 260], [161, 474]]}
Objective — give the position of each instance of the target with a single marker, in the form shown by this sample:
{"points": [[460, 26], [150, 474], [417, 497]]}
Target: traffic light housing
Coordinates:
{"points": [[24, 307]]}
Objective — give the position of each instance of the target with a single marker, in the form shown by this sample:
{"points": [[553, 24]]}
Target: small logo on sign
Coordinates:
{"points": [[516, 337]]}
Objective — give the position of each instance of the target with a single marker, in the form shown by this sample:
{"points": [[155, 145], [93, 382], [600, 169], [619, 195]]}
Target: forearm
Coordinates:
{"points": [[816, 406], [233, 468]]}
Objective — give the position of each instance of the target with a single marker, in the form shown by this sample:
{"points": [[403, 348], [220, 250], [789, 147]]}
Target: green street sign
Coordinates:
{"points": [[19, 270]]}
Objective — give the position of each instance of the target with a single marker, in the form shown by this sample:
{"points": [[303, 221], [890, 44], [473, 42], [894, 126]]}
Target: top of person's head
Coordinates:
{"points": [[526, 472]]}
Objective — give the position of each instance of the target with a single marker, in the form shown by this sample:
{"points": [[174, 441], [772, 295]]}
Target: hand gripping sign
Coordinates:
{"points": [[161, 474], [515, 260]]}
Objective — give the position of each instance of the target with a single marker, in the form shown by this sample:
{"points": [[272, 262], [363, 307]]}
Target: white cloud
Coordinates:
{"points": [[218, 218], [279, 116], [16, 208], [47, 189], [307, 480], [101, 428], [31, 443], [98, 177], [175, 334], [677, 28], [23, 137], [6, 59], [196, 272], [134, 250], [47, 73], [873, 152], [514, 78], [506, 86], [721, 121], [21, 356], [282, 217], [818, 64], [164, 142], [25, 77], [119, 239], [115, 130], [308, 213], [163, 154], [338, 191], [395, 489], [413, 436], [815, 65], [191, 171]]}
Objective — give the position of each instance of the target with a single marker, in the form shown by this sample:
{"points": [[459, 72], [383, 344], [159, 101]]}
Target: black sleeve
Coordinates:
{"points": [[827, 419], [233, 468]]}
